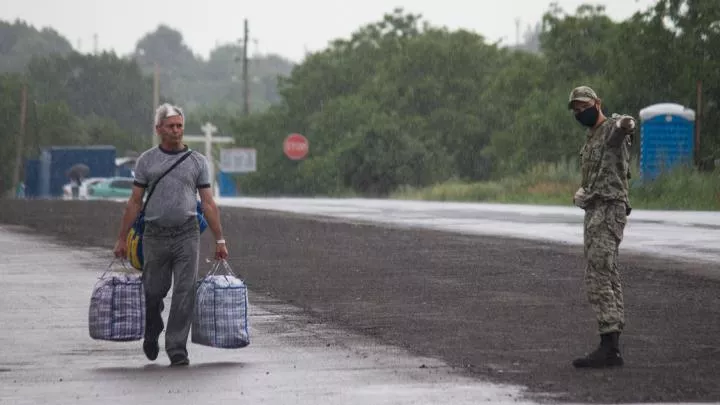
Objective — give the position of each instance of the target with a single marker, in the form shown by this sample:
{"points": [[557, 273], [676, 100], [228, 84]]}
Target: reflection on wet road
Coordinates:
{"points": [[677, 234]]}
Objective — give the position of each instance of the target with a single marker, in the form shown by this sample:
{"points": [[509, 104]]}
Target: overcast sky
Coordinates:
{"points": [[285, 27]]}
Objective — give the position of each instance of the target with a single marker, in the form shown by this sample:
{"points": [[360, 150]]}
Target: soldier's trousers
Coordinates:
{"points": [[603, 231], [172, 257]]}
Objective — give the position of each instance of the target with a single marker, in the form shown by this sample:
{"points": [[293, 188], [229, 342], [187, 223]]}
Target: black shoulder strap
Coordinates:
{"points": [[174, 165]]}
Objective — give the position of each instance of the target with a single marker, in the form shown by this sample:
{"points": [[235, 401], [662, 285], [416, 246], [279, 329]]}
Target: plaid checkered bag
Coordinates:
{"points": [[117, 307], [221, 310]]}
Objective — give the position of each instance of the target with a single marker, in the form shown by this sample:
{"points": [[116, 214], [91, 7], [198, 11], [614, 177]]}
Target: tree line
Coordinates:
{"points": [[85, 99], [404, 103]]}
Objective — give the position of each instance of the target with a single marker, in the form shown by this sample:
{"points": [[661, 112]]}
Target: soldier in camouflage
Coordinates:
{"points": [[605, 161]]}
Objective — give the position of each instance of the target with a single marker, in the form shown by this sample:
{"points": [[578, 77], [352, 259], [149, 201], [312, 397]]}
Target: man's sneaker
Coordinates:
{"points": [[179, 360], [151, 349]]}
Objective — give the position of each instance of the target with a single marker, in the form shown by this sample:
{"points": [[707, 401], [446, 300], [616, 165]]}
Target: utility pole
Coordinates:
{"points": [[246, 85], [95, 44], [20, 142], [156, 101], [517, 32]]}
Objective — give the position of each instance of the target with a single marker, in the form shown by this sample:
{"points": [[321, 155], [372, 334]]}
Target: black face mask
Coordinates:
{"points": [[588, 117]]}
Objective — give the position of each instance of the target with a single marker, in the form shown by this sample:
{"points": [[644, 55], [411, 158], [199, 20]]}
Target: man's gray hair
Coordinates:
{"points": [[166, 111]]}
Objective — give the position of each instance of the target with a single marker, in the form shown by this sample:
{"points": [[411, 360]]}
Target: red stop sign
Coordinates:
{"points": [[295, 146]]}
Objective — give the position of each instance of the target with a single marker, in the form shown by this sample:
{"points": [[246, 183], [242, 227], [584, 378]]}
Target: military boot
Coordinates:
{"points": [[607, 355]]}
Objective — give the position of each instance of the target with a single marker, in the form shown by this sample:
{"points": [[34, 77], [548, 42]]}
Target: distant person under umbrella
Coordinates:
{"points": [[77, 173]]}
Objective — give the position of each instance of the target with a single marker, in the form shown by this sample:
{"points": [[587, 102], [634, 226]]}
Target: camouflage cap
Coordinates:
{"points": [[582, 93]]}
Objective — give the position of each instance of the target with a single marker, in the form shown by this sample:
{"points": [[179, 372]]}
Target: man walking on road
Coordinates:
{"points": [[605, 162], [171, 236]]}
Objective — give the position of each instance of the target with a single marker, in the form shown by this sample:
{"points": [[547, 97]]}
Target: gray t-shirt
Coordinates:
{"points": [[174, 200]]}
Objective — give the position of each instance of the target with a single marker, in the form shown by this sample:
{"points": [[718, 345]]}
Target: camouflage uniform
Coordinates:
{"points": [[605, 171], [605, 163]]}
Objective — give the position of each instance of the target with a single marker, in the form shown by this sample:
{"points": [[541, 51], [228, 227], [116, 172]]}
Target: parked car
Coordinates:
{"points": [[111, 188], [67, 188]]}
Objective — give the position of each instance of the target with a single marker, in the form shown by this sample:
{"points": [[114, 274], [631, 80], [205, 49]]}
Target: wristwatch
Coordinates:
{"points": [[220, 242]]}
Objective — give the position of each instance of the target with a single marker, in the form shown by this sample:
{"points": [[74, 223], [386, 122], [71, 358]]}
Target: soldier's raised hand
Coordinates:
{"points": [[627, 123]]}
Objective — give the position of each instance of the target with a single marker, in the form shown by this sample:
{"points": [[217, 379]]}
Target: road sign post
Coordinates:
{"points": [[209, 140], [296, 147]]}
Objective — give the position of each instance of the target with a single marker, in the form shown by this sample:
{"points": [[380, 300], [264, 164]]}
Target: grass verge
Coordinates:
{"points": [[555, 184]]}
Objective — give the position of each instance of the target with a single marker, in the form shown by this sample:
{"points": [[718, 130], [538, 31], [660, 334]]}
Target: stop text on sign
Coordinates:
{"points": [[296, 146]]}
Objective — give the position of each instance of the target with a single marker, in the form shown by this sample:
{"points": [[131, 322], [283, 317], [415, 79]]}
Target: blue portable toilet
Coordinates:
{"points": [[667, 139]]}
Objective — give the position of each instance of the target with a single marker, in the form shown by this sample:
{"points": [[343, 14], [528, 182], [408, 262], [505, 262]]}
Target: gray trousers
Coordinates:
{"points": [[171, 258]]}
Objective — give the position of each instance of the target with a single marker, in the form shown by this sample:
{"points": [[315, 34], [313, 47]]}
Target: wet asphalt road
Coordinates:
{"points": [[501, 309], [47, 357], [688, 235]]}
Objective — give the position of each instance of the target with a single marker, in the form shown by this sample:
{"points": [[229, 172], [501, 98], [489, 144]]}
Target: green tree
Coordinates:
{"points": [[581, 45], [691, 26], [46, 124], [103, 85], [19, 42], [214, 83]]}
